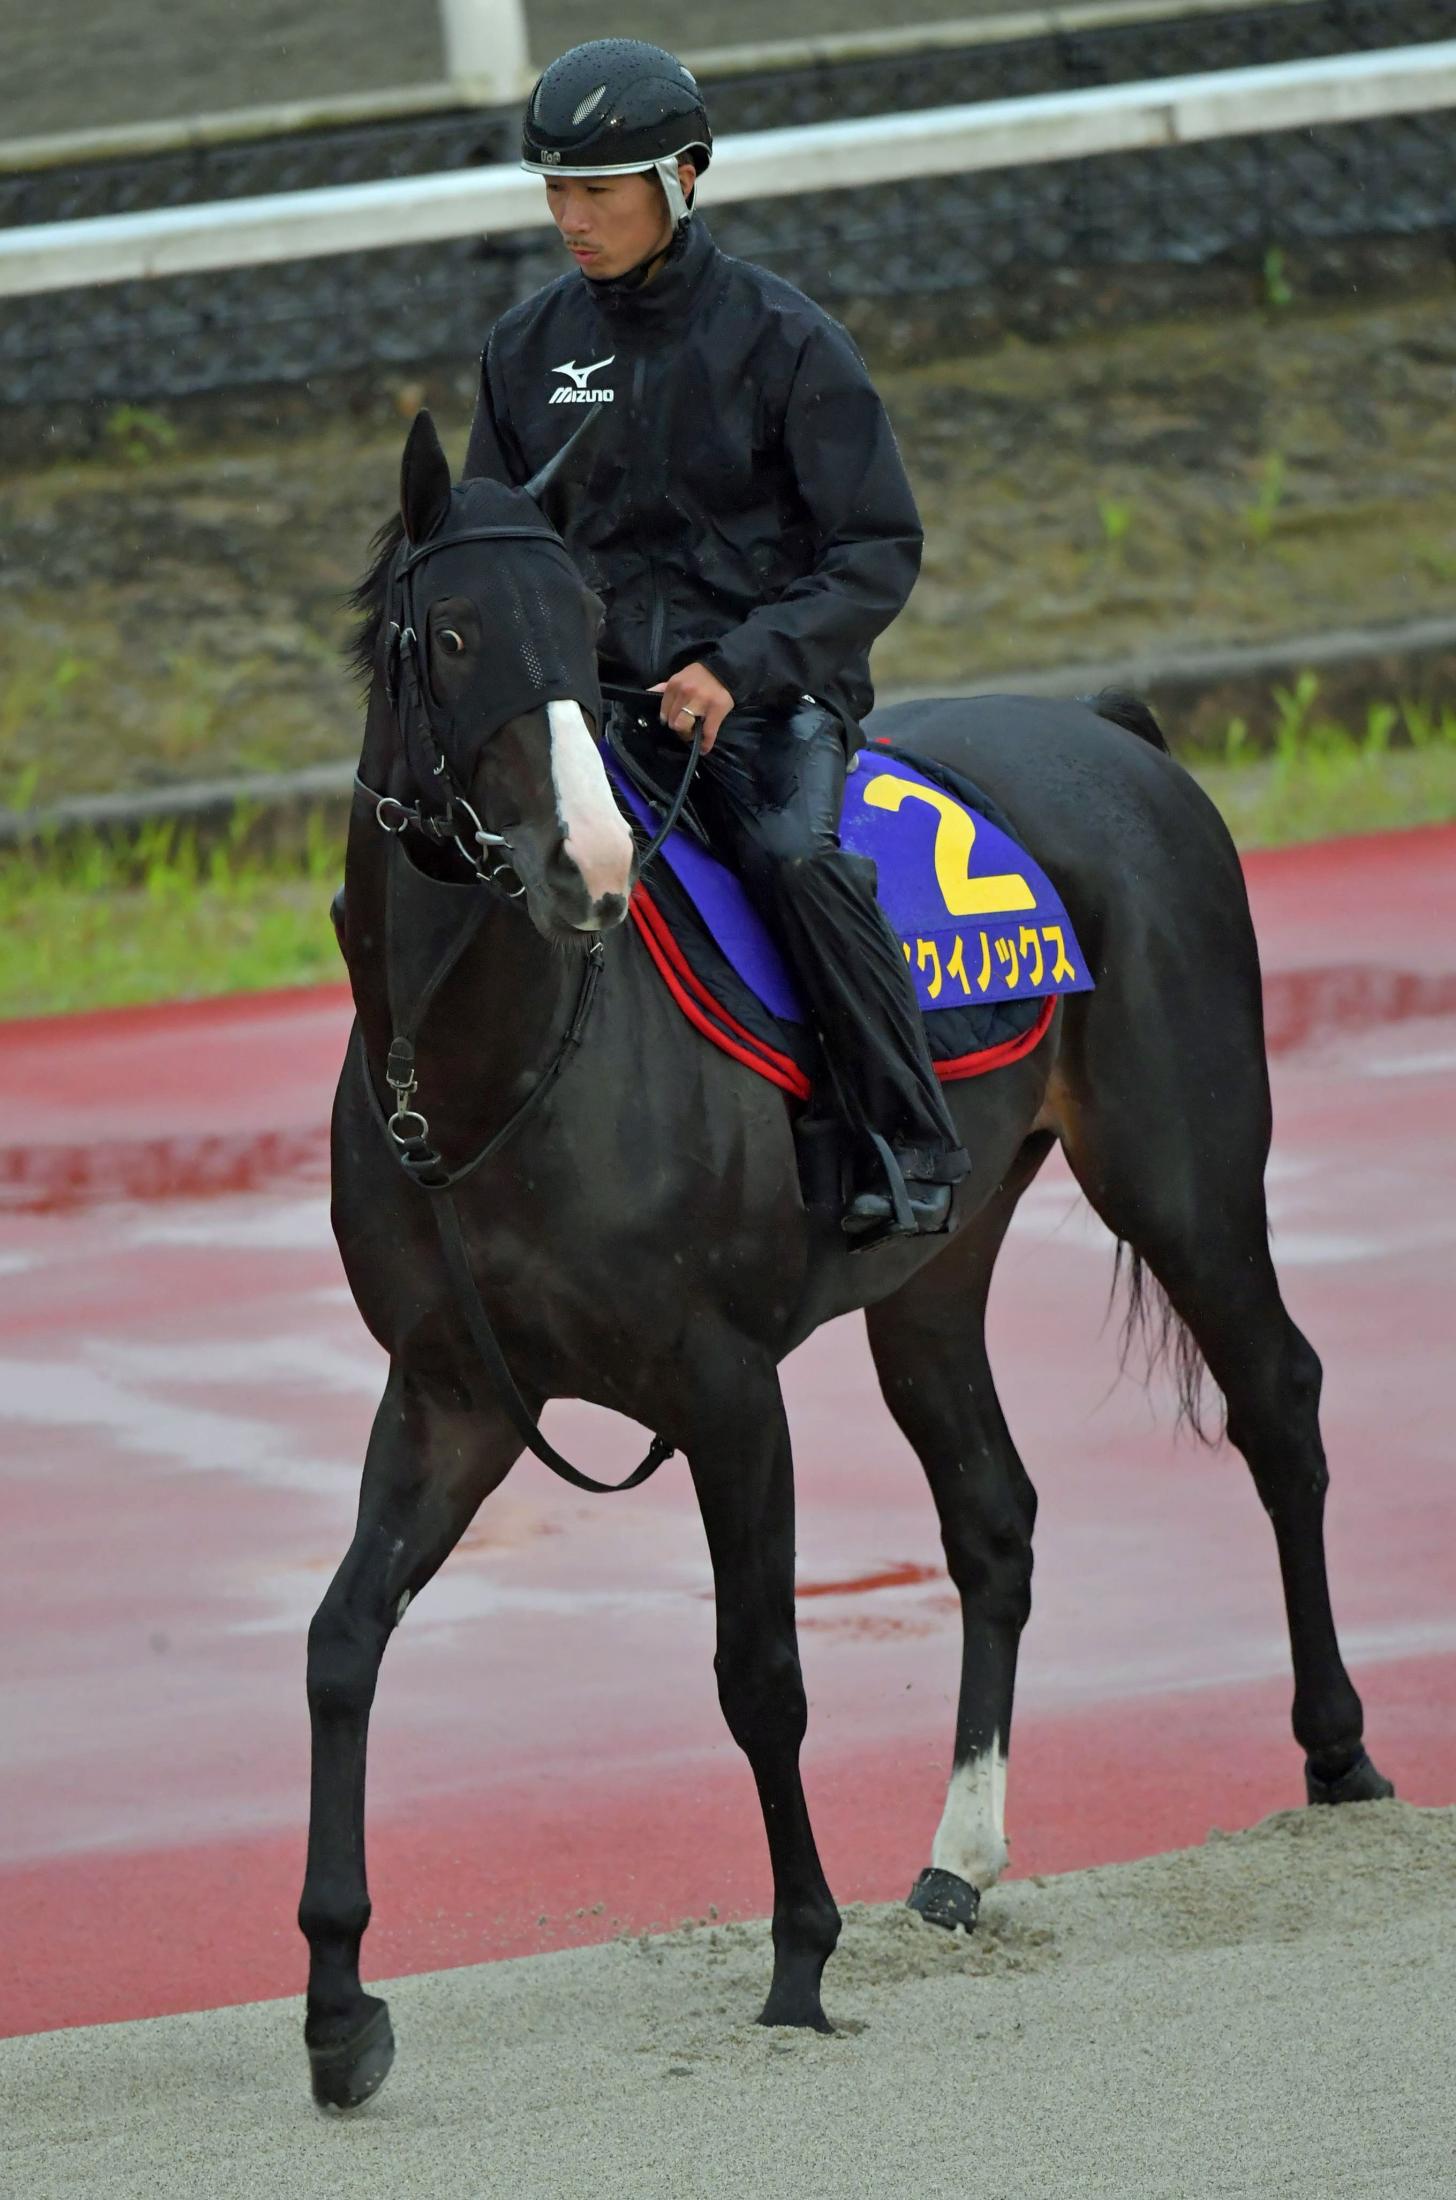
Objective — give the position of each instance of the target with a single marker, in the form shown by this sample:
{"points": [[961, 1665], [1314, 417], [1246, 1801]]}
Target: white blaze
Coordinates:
{"points": [[595, 831], [971, 1841]]}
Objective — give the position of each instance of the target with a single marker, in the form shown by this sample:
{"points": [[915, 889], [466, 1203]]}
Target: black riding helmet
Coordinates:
{"points": [[617, 106]]}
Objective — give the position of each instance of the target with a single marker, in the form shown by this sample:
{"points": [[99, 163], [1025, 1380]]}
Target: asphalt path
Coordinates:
{"points": [[185, 1392]]}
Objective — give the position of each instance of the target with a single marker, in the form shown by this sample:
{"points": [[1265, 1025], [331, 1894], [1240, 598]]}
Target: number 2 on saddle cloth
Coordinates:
{"points": [[992, 894], [986, 946]]}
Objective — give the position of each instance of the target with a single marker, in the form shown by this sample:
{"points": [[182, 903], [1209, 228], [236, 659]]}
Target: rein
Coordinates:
{"points": [[424, 1167], [407, 1129]]}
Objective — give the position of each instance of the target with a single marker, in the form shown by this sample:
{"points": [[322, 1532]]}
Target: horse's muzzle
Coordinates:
{"points": [[607, 913]]}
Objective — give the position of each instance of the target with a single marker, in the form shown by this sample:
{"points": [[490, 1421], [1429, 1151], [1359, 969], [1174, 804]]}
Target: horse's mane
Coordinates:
{"points": [[368, 598]]}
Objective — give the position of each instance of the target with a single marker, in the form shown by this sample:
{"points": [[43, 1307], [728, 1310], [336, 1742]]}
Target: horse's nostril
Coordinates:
{"points": [[610, 910]]}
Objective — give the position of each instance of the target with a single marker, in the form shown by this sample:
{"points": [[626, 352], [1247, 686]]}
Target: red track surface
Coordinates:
{"points": [[186, 1392]]}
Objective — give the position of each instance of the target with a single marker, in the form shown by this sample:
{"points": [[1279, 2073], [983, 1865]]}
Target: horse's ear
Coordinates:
{"points": [[424, 480], [560, 486]]}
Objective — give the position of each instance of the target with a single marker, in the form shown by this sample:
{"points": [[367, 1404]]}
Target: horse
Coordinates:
{"points": [[642, 1241]]}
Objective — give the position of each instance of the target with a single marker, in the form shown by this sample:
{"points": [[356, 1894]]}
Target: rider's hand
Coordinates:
{"points": [[690, 694]]}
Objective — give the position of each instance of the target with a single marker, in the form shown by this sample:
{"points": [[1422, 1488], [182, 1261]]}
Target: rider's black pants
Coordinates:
{"points": [[769, 796]]}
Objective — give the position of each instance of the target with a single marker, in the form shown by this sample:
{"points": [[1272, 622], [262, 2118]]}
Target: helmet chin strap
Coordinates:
{"points": [[678, 206]]}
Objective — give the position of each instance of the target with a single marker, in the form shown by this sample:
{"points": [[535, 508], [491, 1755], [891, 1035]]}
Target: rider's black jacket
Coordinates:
{"points": [[746, 506]]}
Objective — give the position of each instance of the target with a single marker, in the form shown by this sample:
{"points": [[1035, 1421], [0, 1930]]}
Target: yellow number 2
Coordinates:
{"points": [[955, 837]]}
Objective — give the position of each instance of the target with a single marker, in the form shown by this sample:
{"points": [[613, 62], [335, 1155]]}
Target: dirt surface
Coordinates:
{"points": [[92, 64], [1268, 2014], [172, 608]]}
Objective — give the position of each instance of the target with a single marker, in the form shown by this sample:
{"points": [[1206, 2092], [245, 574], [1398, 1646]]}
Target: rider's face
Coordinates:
{"points": [[612, 223]]}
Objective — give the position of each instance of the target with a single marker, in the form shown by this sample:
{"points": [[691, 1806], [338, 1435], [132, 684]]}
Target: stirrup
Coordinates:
{"points": [[874, 1216]]}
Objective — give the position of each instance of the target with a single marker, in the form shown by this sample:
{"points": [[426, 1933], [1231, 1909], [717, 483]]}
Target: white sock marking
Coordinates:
{"points": [[971, 1839], [596, 835]]}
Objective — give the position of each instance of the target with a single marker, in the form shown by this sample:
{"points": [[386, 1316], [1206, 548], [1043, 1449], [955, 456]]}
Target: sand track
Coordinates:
{"points": [[1268, 2014]]}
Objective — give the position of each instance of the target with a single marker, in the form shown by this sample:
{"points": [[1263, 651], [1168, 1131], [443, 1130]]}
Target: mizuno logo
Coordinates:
{"points": [[579, 394], [579, 374]]}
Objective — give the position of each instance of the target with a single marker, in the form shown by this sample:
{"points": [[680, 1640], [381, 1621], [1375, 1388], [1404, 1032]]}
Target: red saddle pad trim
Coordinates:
{"points": [[706, 1013], [701, 1009], [1010, 1050]]}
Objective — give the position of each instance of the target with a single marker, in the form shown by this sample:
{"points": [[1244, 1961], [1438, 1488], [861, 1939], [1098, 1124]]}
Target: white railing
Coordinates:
{"points": [[829, 156]]}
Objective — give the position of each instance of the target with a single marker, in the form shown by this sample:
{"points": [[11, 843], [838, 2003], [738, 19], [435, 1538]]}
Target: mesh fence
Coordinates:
{"points": [[1187, 206]]}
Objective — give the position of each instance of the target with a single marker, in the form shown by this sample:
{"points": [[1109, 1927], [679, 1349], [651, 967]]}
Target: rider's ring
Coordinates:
{"points": [[690, 715]]}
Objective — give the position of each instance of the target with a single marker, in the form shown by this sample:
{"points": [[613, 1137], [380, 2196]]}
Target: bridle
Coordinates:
{"points": [[407, 1129], [407, 686]]}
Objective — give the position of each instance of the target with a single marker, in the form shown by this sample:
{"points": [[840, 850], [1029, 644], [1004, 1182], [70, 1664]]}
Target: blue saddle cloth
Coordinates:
{"points": [[980, 924]]}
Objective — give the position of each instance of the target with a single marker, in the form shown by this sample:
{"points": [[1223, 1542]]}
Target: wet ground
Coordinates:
{"points": [[185, 1392]]}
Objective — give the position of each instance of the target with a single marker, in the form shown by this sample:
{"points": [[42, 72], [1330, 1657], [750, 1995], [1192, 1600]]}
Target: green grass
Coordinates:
{"points": [[86, 923], [174, 603], [1322, 779]]}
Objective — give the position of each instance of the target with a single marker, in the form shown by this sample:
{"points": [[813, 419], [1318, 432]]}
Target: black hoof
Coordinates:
{"points": [[350, 2073], [943, 1898], [805, 2016], [1358, 1783], [794, 1990]]}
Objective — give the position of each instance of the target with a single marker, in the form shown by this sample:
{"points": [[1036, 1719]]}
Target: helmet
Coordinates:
{"points": [[617, 106]]}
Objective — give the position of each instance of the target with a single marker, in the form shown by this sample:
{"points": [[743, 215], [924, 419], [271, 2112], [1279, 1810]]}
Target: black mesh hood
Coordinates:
{"points": [[537, 620]]}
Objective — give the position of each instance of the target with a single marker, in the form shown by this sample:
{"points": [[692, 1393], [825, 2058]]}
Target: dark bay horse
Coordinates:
{"points": [[642, 1241]]}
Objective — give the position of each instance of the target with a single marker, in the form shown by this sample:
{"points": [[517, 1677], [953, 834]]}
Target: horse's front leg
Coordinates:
{"points": [[743, 1474], [429, 1465]]}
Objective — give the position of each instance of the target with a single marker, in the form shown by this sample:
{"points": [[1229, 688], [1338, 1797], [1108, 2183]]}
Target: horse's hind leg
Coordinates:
{"points": [[428, 1467], [929, 1347], [743, 1475], [1172, 1158]]}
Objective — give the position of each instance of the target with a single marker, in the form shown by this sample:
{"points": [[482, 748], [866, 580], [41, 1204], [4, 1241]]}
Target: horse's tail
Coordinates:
{"points": [[1149, 1317], [1131, 712]]}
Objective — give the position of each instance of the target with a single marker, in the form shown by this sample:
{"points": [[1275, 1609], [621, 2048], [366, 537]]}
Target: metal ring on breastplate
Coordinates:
{"points": [[408, 1115], [390, 802]]}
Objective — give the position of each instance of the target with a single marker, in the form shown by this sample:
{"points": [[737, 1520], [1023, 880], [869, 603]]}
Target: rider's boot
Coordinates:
{"points": [[854, 974], [913, 1200]]}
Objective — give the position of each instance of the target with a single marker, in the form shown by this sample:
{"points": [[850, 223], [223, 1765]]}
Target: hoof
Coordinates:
{"points": [[802, 2015], [1358, 1783], [943, 1898], [350, 2073], [794, 1993]]}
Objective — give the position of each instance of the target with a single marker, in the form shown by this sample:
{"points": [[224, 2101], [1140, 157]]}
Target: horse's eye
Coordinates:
{"points": [[454, 646]]}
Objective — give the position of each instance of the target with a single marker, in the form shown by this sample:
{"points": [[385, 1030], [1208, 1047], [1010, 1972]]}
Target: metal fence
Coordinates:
{"points": [[976, 236]]}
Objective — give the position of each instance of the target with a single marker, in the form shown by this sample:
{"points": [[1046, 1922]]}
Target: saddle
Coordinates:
{"points": [[989, 944]]}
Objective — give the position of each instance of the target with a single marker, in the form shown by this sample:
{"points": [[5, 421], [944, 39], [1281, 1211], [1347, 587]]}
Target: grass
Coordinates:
{"points": [[88, 923], [172, 606], [1324, 779]]}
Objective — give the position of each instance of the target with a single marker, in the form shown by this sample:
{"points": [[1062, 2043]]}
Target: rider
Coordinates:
{"points": [[750, 529]]}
